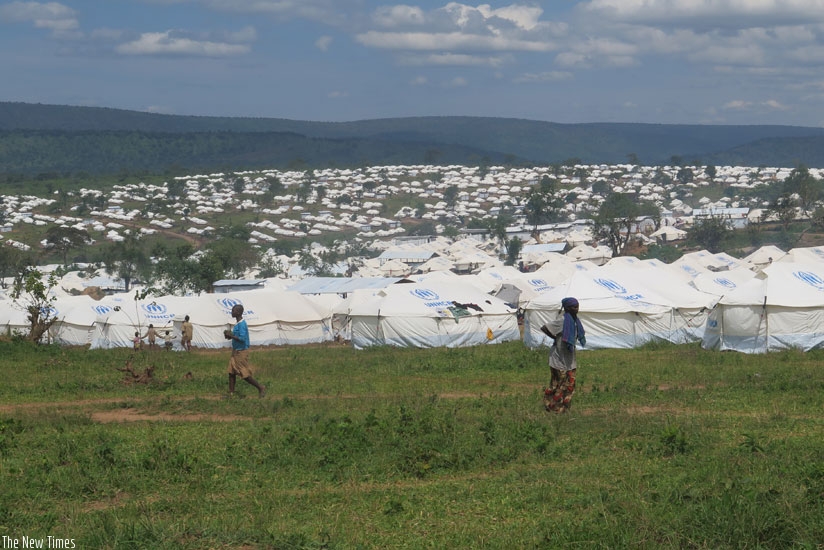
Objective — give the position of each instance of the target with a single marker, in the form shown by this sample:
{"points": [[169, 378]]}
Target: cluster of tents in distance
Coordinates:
{"points": [[770, 300]]}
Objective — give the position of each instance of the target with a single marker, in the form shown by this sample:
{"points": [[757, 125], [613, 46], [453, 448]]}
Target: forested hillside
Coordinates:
{"points": [[105, 152], [49, 138]]}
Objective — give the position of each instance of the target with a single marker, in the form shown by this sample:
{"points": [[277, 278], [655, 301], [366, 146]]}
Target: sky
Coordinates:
{"points": [[568, 61]]}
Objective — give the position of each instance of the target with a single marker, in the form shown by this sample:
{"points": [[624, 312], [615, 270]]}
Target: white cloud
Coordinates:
{"points": [[457, 82], [742, 105], [327, 11], [448, 41], [336, 94], [456, 59], [52, 15], [397, 16], [163, 43], [716, 13], [323, 43], [547, 76], [418, 81]]}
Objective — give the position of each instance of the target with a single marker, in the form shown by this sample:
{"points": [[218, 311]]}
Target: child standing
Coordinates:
{"points": [[168, 339]]}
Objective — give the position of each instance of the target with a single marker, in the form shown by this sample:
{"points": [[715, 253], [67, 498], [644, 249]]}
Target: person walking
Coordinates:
{"points": [[565, 333], [239, 361], [151, 336], [188, 332], [168, 340]]}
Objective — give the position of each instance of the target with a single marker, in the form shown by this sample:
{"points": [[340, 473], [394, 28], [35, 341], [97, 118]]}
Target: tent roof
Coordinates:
{"points": [[341, 285]]}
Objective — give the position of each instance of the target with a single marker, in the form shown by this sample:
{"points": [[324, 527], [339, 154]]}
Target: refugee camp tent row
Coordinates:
{"points": [[624, 307], [430, 314], [782, 308], [752, 306], [274, 318]]}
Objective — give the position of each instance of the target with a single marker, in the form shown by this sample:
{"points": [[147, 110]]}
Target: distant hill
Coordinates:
{"points": [[38, 138]]}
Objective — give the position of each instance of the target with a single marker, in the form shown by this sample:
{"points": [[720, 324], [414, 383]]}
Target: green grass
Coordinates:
{"points": [[665, 447]]}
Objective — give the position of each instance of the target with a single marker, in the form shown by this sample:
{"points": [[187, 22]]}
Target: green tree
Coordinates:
{"points": [[803, 184], [63, 238], [783, 208], [542, 205], [497, 229], [33, 292], [175, 188], [270, 266], [12, 262], [711, 232], [614, 220], [685, 175], [127, 260], [177, 270], [450, 196], [600, 187], [231, 253], [711, 172], [513, 250]]}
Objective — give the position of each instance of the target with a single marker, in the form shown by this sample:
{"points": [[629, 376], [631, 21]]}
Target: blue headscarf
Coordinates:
{"points": [[573, 329]]}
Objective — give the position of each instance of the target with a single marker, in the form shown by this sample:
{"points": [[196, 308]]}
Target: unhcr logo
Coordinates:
{"points": [[618, 290], [154, 309], [726, 283], [611, 285], [810, 278], [689, 269], [102, 310], [229, 303], [540, 283], [424, 294], [48, 312]]}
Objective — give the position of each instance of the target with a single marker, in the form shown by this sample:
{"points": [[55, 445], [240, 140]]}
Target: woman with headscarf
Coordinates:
{"points": [[565, 333]]}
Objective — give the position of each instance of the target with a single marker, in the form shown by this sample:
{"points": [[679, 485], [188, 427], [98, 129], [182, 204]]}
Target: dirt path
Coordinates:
{"points": [[136, 409]]}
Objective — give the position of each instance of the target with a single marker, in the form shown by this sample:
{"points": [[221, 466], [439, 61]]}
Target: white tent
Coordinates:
{"points": [[669, 233], [395, 268], [810, 254], [598, 255], [624, 308], [764, 256], [430, 314], [781, 308], [275, 317], [76, 320]]}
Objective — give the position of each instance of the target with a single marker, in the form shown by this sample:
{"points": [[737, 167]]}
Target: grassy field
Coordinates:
{"points": [[665, 447]]}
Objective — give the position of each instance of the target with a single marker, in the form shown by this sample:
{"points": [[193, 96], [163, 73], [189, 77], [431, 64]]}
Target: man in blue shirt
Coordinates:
{"points": [[239, 362]]}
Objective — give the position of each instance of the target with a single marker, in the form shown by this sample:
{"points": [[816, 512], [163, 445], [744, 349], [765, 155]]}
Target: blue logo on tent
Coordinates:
{"points": [[102, 310], [48, 312], [424, 294], [154, 308], [689, 269], [611, 285], [229, 303], [538, 282], [726, 283], [496, 275], [810, 278]]}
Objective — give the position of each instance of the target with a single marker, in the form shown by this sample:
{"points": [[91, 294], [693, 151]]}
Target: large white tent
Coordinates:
{"points": [[430, 314], [624, 307], [274, 318], [781, 308]]}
